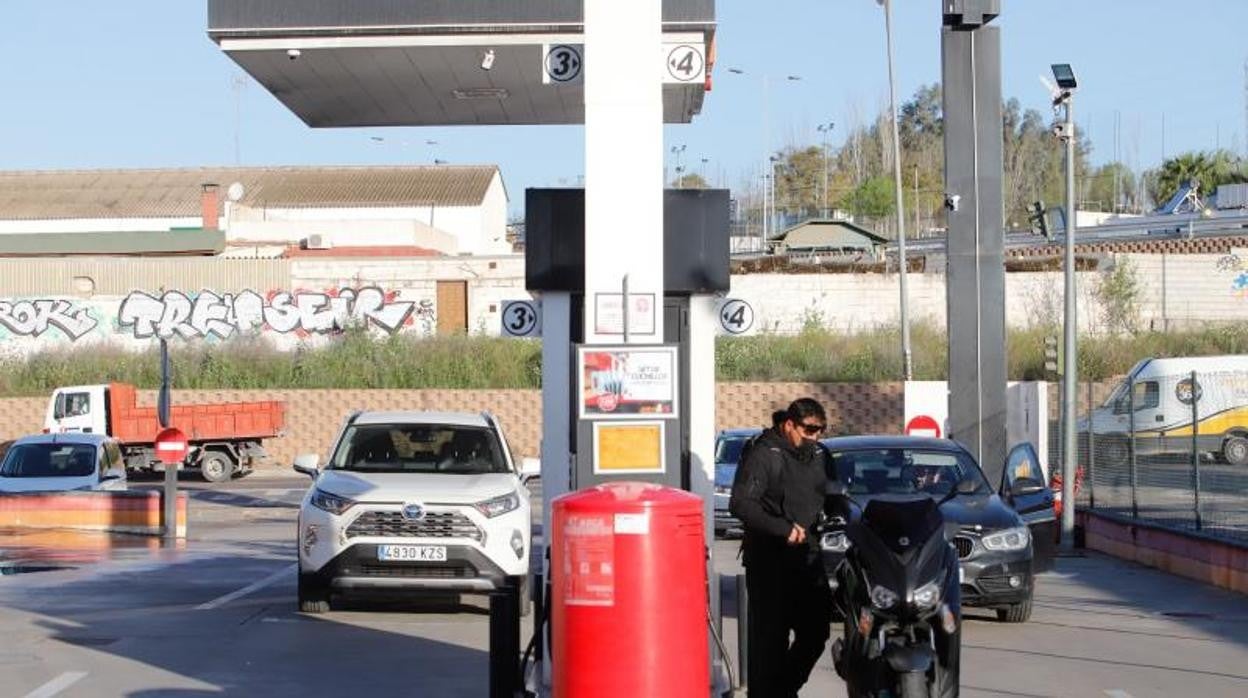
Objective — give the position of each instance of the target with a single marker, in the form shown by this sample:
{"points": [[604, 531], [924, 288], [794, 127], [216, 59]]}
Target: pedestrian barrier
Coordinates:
{"points": [[138, 512]]}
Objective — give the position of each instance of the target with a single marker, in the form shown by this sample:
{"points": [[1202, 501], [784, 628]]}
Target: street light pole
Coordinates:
{"points": [[906, 357], [826, 130], [1064, 96]]}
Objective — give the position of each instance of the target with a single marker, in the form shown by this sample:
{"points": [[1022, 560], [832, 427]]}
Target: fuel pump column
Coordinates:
{"points": [[628, 593]]}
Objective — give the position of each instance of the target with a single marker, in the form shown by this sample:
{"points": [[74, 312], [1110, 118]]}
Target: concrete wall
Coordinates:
{"points": [[1174, 291]]}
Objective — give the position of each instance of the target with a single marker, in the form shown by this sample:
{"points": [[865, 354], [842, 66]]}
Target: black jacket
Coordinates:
{"points": [[776, 486]]}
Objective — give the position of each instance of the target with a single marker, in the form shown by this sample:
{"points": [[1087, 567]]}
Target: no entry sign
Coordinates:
{"points": [[171, 446], [923, 425]]}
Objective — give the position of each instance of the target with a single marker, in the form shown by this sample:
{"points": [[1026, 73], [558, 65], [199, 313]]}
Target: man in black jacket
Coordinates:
{"points": [[778, 495]]}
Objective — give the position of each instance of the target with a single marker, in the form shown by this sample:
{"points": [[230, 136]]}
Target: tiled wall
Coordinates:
{"points": [[313, 416]]}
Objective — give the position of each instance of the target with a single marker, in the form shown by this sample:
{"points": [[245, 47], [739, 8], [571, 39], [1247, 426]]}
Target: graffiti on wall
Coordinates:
{"points": [[208, 314], [34, 317], [214, 316]]}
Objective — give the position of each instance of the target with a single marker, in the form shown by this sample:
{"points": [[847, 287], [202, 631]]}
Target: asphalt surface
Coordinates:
{"points": [[217, 616]]}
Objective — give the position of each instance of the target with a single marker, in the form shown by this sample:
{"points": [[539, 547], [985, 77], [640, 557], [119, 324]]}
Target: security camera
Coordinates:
{"points": [[952, 201], [487, 60], [294, 54]]}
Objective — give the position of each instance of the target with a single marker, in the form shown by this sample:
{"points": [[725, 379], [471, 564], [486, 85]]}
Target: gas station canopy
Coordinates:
{"points": [[444, 62]]}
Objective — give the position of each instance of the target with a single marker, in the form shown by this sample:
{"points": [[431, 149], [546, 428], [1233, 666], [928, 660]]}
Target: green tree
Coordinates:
{"points": [[692, 180], [1106, 181], [873, 199]]}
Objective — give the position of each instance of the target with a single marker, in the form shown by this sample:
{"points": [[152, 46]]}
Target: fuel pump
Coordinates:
{"points": [[637, 416]]}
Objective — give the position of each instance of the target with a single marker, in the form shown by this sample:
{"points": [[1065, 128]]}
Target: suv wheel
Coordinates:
{"points": [[313, 594], [1015, 612]]}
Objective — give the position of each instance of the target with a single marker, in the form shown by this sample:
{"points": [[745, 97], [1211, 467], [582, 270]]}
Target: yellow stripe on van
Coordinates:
{"points": [[1220, 423]]}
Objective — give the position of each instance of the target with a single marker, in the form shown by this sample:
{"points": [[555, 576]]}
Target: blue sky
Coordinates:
{"points": [[137, 83]]}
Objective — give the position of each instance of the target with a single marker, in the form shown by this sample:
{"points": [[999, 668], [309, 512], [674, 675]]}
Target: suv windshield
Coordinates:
{"points": [[905, 471], [419, 448], [49, 460]]}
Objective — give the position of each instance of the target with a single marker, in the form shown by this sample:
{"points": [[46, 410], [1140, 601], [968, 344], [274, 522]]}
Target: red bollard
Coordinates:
{"points": [[628, 593]]}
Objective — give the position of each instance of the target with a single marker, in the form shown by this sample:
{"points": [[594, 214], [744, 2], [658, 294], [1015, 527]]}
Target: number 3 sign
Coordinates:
{"points": [[522, 319]]}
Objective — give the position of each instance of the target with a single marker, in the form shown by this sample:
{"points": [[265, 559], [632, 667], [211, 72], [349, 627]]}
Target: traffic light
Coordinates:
{"points": [[1039, 221], [1052, 355]]}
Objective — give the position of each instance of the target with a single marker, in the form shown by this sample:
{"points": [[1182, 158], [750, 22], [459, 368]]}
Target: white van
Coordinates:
{"points": [[1155, 400]]}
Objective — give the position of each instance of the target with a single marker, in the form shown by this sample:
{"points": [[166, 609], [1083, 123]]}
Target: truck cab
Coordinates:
{"points": [[80, 409]]}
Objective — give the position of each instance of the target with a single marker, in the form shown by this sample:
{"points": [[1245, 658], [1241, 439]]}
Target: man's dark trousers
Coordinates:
{"points": [[784, 598]]}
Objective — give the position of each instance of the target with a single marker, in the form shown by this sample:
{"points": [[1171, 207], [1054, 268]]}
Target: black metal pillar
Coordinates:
{"points": [[505, 641], [971, 70]]}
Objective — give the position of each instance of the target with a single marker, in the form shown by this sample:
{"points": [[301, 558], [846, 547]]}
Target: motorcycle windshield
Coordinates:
{"points": [[901, 542]]}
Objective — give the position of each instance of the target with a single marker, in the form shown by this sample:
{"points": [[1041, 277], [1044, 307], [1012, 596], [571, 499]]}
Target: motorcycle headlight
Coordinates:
{"points": [[882, 597], [332, 503], [499, 505], [927, 595], [1016, 538], [834, 542]]}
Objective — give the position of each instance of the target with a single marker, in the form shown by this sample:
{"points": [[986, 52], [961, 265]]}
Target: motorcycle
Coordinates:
{"points": [[898, 591]]}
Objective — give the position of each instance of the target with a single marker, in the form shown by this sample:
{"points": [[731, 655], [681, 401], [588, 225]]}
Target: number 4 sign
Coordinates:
{"points": [[522, 319], [736, 316]]}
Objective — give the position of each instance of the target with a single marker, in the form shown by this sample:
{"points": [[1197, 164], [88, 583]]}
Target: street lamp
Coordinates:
{"points": [[1063, 96], [907, 361], [768, 155], [678, 151], [826, 130]]}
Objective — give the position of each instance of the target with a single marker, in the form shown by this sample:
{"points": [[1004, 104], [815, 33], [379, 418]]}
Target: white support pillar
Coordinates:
{"points": [[703, 321], [624, 168]]}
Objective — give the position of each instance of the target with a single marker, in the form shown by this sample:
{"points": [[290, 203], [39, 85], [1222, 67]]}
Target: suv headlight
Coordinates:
{"points": [[499, 505], [330, 502], [882, 597], [1015, 538], [927, 595]]}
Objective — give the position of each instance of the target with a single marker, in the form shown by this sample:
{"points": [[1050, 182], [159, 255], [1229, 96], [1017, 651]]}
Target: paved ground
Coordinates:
{"points": [[217, 617]]}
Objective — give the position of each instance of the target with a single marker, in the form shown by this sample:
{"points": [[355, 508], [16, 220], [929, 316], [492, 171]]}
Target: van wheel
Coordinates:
{"points": [[1235, 450], [1115, 452], [216, 467]]}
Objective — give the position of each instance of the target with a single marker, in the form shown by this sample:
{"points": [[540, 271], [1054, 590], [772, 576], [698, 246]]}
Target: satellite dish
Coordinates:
{"points": [[235, 192]]}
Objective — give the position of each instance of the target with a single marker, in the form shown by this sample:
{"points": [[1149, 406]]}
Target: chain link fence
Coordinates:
{"points": [[1167, 449]]}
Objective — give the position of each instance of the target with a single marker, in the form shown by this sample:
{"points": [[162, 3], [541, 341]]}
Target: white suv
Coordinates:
{"points": [[426, 501]]}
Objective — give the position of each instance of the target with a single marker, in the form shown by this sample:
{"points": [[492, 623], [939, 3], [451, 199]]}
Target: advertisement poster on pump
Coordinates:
{"points": [[633, 382]]}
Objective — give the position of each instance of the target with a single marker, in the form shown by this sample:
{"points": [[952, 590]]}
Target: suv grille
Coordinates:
{"points": [[438, 571], [436, 524], [964, 545]]}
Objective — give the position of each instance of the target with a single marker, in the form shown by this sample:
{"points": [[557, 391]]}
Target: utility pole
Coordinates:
{"points": [[906, 358]]}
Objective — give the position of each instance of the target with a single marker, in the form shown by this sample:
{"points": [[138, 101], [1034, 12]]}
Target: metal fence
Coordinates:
{"points": [[1170, 450]]}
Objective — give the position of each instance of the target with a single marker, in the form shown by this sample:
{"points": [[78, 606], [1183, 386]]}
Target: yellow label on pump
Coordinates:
{"points": [[633, 447]]}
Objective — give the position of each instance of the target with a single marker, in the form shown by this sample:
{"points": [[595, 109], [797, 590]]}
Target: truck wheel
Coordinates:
{"points": [[1235, 450], [313, 596], [216, 467]]}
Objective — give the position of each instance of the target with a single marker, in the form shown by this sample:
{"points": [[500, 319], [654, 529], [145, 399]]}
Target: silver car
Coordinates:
{"points": [[62, 463]]}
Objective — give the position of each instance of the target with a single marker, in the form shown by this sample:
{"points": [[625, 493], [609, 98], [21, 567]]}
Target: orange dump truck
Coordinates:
{"points": [[226, 438]]}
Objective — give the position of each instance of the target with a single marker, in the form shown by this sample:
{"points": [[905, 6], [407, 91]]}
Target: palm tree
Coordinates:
{"points": [[1207, 169]]}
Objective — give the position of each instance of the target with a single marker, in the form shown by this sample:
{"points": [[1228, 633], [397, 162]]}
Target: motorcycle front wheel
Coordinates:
{"points": [[913, 685]]}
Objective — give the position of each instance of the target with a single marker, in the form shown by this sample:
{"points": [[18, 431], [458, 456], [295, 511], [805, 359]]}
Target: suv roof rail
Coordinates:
{"points": [[489, 418]]}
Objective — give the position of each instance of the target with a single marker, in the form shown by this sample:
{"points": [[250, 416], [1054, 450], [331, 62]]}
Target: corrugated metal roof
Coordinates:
{"points": [[141, 242], [175, 193], [118, 277]]}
